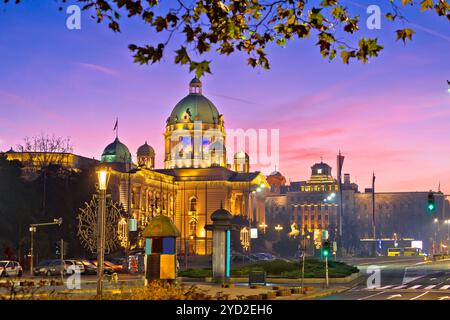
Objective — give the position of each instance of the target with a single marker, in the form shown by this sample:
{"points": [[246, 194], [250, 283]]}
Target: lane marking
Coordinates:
{"points": [[430, 287], [445, 287], [399, 287], [420, 295], [444, 298], [386, 287], [394, 296], [373, 295], [415, 287]]}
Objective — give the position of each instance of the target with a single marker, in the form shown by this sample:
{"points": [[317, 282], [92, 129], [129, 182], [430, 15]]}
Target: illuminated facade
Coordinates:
{"points": [[196, 179], [314, 207], [195, 133]]}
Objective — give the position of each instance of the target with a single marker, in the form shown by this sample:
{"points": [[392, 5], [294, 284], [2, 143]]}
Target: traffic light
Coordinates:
{"points": [[326, 248], [431, 206], [57, 249]]}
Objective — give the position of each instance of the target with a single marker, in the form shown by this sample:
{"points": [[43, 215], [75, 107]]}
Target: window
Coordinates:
{"points": [[319, 217], [193, 205]]}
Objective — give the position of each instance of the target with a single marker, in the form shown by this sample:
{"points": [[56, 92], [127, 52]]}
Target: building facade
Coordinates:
{"points": [[314, 204], [196, 179]]}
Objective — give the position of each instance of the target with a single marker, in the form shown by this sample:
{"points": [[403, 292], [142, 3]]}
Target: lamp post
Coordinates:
{"points": [[436, 231], [447, 222], [103, 179]]}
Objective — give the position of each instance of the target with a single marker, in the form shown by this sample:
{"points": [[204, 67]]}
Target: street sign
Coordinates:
{"points": [[254, 233]]}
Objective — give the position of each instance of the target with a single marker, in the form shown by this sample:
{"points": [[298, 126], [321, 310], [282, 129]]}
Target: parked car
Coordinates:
{"points": [[120, 261], [49, 268], [89, 267], [40, 269], [106, 269], [76, 263], [118, 268], [10, 269]]}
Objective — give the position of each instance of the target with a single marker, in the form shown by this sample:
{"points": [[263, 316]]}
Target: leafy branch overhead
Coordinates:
{"points": [[249, 26]]}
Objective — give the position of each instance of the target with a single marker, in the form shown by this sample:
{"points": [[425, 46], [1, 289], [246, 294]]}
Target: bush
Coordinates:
{"points": [[314, 268]]}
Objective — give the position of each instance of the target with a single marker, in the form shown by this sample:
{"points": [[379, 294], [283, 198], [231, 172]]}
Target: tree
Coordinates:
{"points": [[42, 152], [248, 26]]}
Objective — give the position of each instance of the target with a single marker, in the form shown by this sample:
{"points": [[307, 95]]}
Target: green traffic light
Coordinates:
{"points": [[325, 253], [431, 207]]}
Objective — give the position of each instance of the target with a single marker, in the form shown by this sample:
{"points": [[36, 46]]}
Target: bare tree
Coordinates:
{"points": [[43, 150]]}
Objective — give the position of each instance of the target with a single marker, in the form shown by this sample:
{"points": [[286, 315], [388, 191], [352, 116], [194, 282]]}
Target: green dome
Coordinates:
{"points": [[196, 106], [116, 152]]}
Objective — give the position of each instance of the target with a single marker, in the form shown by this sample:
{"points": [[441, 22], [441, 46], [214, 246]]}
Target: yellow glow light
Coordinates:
{"points": [[103, 177]]}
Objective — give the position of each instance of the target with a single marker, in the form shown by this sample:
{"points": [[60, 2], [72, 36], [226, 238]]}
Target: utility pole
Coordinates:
{"points": [[326, 270], [62, 260], [339, 241], [33, 229], [103, 178], [101, 241], [373, 216]]}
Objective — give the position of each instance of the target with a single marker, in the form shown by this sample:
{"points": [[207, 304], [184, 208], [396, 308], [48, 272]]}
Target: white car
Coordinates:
{"points": [[10, 269]]}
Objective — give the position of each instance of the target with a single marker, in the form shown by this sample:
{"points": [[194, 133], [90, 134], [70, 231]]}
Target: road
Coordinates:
{"points": [[401, 279]]}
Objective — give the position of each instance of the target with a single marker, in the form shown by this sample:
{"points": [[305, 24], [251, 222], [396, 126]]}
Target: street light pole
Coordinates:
{"points": [[103, 176], [33, 229]]}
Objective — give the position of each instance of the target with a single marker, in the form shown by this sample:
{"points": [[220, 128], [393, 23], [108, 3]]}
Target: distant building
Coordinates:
{"points": [[314, 206], [33, 161]]}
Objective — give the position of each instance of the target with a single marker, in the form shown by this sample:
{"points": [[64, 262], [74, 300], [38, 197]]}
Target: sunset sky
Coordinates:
{"points": [[391, 116]]}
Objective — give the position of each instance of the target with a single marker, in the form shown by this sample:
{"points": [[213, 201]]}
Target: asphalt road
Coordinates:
{"points": [[400, 279]]}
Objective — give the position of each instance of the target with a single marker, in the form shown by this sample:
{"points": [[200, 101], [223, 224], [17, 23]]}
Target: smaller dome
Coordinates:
{"points": [[275, 173], [241, 155], [221, 215], [159, 227], [195, 81], [146, 150], [116, 152]]}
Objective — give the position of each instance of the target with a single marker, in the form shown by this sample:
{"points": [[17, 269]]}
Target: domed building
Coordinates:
{"points": [[195, 132], [196, 179], [116, 152]]}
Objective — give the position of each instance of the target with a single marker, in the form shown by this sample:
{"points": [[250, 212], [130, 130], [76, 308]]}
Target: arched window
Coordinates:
{"points": [[193, 205]]}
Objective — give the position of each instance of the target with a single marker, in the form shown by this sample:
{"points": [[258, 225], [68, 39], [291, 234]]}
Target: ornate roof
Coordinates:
{"points": [[221, 215], [194, 107], [146, 150], [161, 226], [116, 152]]}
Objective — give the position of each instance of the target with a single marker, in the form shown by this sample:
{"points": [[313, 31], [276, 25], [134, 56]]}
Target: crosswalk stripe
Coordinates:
{"points": [[445, 287], [400, 287], [430, 287], [415, 287], [386, 287]]}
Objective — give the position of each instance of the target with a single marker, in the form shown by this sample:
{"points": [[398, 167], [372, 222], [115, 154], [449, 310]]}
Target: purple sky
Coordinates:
{"points": [[390, 116]]}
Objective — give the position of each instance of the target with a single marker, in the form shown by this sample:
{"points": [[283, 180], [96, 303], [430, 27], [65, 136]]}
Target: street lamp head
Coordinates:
{"points": [[435, 220], [103, 178]]}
